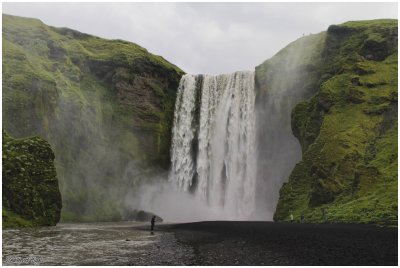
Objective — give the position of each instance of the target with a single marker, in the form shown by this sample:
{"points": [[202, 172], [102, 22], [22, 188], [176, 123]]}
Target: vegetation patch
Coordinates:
{"points": [[104, 106], [348, 131], [31, 196]]}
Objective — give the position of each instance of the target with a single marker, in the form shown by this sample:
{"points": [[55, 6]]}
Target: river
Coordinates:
{"points": [[112, 243]]}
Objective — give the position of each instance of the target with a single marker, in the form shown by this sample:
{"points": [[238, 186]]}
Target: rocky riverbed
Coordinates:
{"points": [[114, 243]]}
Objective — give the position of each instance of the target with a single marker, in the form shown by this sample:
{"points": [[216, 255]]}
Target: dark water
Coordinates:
{"points": [[122, 243]]}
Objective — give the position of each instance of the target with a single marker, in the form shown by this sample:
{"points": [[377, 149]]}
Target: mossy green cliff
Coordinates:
{"points": [[31, 196], [347, 129], [105, 106]]}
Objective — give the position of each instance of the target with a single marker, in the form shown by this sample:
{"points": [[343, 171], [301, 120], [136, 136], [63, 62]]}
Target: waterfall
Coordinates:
{"points": [[213, 142]]}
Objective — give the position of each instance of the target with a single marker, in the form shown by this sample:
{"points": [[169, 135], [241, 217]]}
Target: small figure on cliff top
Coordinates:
{"points": [[302, 218], [291, 217], [153, 220]]}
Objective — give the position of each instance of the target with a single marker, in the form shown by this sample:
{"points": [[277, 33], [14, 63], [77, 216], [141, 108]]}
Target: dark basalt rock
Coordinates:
{"points": [[354, 96], [355, 81], [31, 196], [56, 51], [375, 50], [340, 30], [361, 70], [325, 101], [323, 192]]}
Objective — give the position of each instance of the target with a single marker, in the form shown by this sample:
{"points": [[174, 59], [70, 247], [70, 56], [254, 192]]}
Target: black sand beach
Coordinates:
{"points": [[202, 243], [268, 243]]}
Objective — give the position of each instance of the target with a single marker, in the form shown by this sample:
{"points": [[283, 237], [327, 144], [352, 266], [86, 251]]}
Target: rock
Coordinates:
{"points": [[355, 81], [354, 96], [340, 30], [376, 50], [29, 200], [361, 70], [349, 136], [325, 101], [95, 95]]}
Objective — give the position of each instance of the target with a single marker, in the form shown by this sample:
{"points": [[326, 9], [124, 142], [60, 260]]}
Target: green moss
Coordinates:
{"points": [[348, 131], [31, 196], [12, 220], [102, 104], [299, 58]]}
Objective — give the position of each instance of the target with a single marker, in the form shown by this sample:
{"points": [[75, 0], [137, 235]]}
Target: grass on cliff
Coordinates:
{"points": [[12, 220], [106, 103], [348, 131]]}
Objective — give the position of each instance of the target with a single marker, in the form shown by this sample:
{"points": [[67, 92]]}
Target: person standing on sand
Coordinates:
{"points": [[153, 220]]}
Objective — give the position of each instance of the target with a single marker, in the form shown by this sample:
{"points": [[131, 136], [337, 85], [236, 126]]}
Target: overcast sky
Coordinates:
{"points": [[203, 37]]}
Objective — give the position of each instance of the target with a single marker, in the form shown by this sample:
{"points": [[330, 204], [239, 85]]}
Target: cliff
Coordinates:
{"points": [[31, 196], [326, 113], [291, 76], [346, 125], [105, 106]]}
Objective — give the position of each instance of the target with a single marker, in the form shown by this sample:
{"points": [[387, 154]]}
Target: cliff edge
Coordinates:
{"points": [[348, 131]]}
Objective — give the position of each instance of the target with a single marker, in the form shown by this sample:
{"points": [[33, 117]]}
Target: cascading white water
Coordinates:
{"points": [[231, 151], [213, 142]]}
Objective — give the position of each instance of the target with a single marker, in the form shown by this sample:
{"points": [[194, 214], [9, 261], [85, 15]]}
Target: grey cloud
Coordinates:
{"points": [[204, 37]]}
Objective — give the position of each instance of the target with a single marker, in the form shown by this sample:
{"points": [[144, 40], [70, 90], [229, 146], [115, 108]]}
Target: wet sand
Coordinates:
{"points": [[268, 243]]}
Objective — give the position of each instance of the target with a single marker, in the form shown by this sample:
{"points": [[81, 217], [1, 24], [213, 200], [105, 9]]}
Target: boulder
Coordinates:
{"points": [[31, 196]]}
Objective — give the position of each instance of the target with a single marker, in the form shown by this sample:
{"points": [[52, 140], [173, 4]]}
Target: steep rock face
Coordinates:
{"points": [[105, 106], [348, 131], [31, 196], [291, 76]]}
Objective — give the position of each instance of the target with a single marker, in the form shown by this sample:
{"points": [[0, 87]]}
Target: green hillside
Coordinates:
{"points": [[348, 127], [106, 107]]}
